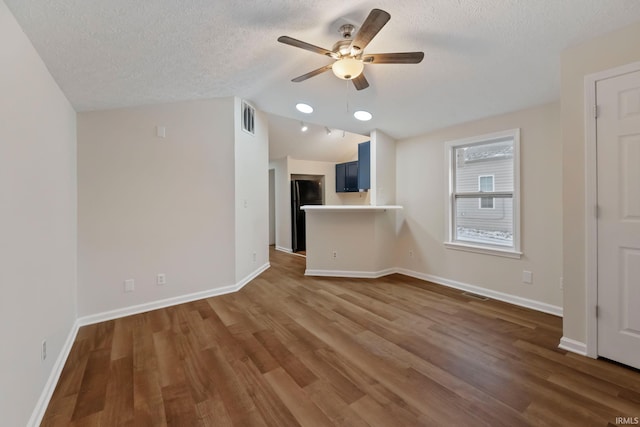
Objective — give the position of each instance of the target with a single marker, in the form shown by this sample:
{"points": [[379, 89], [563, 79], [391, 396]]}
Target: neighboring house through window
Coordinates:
{"points": [[485, 185], [484, 194]]}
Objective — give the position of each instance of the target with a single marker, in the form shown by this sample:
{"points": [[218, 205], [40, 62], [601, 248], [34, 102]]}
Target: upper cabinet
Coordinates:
{"points": [[364, 165], [347, 177], [355, 176]]}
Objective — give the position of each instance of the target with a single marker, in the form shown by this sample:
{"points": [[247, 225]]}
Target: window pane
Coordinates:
{"points": [[486, 202], [485, 183], [491, 161], [474, 224]]}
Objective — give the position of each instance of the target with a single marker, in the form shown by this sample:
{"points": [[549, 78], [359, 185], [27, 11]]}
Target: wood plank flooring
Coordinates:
{"points": [[289, 350]]}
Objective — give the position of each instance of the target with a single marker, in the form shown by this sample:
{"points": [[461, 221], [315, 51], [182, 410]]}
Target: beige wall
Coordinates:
{"points": [[328, 170], [272, 206], [38, 227], [362, 240], [421, 190], [383, 169], [283, 204], [615, 49], [150, 205], [286, 167]]}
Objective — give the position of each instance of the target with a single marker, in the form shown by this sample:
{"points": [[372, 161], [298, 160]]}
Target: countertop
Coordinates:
{"points": [[349, 208]]}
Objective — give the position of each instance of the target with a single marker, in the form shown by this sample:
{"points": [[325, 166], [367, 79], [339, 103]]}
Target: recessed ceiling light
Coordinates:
{"points": [[362, 115], [304, 108], [303, 127]]}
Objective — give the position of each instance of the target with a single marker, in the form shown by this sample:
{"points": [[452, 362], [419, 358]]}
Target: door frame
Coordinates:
{"points": [[591, 199]]}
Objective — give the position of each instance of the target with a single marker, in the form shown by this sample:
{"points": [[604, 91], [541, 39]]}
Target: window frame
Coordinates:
{"points": [[450, 204]]}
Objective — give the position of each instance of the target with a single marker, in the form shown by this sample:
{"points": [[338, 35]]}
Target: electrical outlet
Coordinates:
{"points": [[410, 254], [527, 276], [43, 350], [254, 257], [335, 254], [129, 285], [161, 279]]}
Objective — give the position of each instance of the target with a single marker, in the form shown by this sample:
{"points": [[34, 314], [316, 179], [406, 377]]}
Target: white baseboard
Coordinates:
{"points": [[41, 407], [501, 296], [355, 274], [242, 283], [573, 346], [142, 308], [45, 397], [50, 386], [283, 249]]}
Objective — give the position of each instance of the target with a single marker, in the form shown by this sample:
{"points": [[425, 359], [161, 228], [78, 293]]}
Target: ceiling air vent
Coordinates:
{"points": [[248, 118]]}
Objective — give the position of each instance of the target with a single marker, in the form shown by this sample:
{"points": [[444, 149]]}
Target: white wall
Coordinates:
{"points": [[609, 51], [272, 206], [283, 204], [251, 194], [383, 169], [150, 205], [38, 222], [421, 189]]}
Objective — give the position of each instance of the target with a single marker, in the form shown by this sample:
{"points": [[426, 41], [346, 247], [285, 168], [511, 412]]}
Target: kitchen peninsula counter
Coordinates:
{"points": [[350, 240], [350, 208]]}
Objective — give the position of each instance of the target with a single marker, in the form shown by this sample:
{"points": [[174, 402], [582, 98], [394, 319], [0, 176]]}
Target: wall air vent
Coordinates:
{"points": [[248, 118]]}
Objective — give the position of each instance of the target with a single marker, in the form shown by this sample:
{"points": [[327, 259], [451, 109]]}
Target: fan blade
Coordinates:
{"points": [[304, 45], [393, 58], [360, 82], [375, 21], [312, 73]]}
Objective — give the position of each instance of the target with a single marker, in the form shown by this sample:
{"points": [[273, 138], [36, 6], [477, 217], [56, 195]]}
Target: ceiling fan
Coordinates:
{"points": [[349, 53]]}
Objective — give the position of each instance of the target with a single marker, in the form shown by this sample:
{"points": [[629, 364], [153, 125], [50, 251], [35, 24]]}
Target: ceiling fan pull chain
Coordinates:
{"points": [[347, 95]]}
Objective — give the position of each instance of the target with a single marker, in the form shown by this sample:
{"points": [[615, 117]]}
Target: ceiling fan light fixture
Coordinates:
{"points": [[348, 52], [345, 50], [304, 108], [347, 68], [363, 116]]}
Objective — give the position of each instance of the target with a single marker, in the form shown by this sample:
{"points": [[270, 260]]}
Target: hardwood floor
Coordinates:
{"points": [[290, 350]]}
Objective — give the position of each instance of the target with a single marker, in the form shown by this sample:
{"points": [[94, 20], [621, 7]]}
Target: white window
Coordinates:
{"points": [[485, 185], [483, 197]]}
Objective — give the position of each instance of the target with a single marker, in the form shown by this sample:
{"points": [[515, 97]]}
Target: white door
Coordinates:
{"points": [[618, 157]]}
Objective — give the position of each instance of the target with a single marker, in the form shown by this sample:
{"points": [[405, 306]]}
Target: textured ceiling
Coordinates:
{"points": [[482, 57], [286, 139]]}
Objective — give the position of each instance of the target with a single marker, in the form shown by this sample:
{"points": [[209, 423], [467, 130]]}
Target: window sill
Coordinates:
{"points": [[507, 253]]}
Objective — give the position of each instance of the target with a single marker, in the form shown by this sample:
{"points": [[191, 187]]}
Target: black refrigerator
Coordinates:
{"points": [[303, 192]]}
